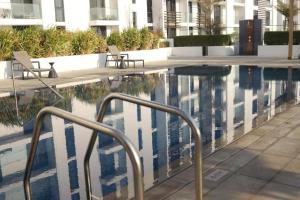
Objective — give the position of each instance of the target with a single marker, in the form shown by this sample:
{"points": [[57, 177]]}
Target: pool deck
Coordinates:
{"points": [[263, 164], [93, 75]]}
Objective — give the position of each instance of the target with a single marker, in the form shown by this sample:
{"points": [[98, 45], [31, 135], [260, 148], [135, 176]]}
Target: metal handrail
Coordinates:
{"points": [[154, 105], [97, 127]]}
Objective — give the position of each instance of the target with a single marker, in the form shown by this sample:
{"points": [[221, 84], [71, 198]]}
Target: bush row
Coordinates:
{"points": [[280, 37], [133, 39], [202, 40], [56, 42]]}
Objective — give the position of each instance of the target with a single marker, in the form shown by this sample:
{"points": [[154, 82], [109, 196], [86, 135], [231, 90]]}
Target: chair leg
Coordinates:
{"points": [[105, 61]]}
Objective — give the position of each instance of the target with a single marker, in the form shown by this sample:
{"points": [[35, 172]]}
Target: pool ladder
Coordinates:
{"points": [[119, 136]]}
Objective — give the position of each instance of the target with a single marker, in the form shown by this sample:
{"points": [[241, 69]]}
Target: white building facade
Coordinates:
{"points": [[171, 17]]}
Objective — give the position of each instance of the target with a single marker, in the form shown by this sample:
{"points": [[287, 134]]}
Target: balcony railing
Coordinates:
{"points": [[20, 11], [103, 14], [239, 1], [172, 19]]}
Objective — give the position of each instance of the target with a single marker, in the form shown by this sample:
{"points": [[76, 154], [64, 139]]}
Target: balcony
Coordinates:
{"points": [[103, 14], [20, 11]]}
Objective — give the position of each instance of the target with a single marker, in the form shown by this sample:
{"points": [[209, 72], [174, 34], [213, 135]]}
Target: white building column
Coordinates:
{"points": [[77, 14], [229, 16], [158, 9], [249, 9], [48, 14], [248, 110]]}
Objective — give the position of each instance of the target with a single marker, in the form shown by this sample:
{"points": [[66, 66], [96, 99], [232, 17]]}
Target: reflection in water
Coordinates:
{"points": [[224, 104]]}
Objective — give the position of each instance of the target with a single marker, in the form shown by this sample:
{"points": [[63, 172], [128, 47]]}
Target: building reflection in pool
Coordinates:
{"points": [[224, 106]]}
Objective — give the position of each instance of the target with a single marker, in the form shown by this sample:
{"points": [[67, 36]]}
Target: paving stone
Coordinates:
{"points": [[236, 187], [187, 193], [279, 131], [285, 147], [276, 121], [219, 156], [186, 176], [295, 133], [244, 141], [239, 160], [278, 191], [290, 175], [214, 177], [264, 166], [164, 189], [262, 143], [262, 130]]}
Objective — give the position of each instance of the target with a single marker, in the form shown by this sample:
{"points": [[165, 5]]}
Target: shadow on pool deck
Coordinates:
{"points": [[263, 164]]}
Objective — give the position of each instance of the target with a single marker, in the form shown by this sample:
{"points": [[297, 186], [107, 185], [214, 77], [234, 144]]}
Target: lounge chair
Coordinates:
{"points": [[22, 63], [116, 56]]}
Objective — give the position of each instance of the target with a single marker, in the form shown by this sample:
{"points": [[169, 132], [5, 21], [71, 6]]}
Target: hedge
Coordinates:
{"points": [[202, 40], [280, 37], [55, 42]]}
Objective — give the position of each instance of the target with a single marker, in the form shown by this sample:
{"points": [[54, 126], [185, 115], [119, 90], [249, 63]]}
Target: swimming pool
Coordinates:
{"points": [[225, 102]]}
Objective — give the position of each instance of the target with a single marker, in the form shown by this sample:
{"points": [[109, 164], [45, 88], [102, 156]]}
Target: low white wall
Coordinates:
{"points": [[5, 70], [187, 51], [150, 55], [221, 50], [279, 51], [90, 61], [197, 51]]}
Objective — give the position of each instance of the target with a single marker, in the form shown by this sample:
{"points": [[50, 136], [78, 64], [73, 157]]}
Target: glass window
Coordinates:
{"points": [[268, 18], [139, 114], [59, 10], [134, 19], [140, 135]]}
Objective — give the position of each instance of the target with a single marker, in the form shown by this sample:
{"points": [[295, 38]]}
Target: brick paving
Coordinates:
{"points": [[263, 164]]}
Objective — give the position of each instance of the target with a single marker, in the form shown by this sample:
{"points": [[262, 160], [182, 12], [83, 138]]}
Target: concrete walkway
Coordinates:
{"points": [[263, 164], [84, 76]]}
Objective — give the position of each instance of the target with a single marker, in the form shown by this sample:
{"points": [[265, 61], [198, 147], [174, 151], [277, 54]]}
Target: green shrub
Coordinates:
{"points": [[30, 40], [102, 45], [155, 40], [146, 38], [115, 39], [56, 42], [202, 40], [280, 37], [163, 44], [8, 43], [131, 39], [85, 42]]}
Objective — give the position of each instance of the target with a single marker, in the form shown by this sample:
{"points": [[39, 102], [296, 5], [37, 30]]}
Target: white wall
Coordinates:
{"points": [[187, 51], [221, 50], [124, 14], [48, 14], [279, 51], [77, 14], [151, 55]]}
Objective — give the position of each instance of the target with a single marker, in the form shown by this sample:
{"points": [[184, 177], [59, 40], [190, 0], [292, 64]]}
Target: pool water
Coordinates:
{"points": [[225, 102]]}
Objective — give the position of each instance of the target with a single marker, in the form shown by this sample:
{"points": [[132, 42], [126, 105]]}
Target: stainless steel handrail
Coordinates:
{"points": [[154, 105], [97, 127]]}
